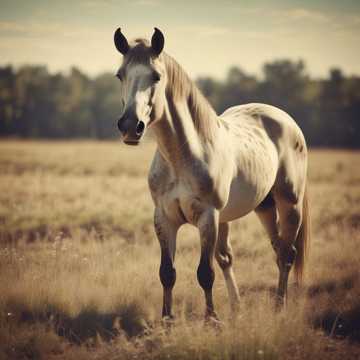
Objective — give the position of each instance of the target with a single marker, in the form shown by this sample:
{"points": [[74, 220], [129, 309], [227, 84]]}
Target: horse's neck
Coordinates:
{"points": [[177, 139], [188, 126]]}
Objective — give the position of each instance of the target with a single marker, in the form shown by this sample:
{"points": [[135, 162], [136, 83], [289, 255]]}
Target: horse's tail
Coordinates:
{"points": [[302, 241]]}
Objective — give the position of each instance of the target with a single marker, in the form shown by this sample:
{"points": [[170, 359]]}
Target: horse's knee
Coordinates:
{"points": [[205, 274], [167, 272]]}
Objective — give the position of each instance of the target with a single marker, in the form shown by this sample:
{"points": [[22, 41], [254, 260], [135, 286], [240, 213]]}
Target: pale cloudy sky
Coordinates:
{"points": [[206, 37]]}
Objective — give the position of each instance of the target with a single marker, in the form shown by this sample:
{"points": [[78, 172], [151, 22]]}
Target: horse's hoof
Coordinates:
{"points": [[213, 321]]}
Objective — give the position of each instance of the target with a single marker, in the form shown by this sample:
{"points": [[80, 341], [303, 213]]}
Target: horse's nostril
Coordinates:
{"points": [[140, 128]]}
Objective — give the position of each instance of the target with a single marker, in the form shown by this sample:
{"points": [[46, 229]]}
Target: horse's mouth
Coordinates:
{"points": [[132, 142]]}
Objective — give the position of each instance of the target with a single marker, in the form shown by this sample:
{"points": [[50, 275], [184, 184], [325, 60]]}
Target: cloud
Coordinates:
{"points": [[354, 20], [96, 5], [11, 27], [204, 31], [301, 14], [147, 3], [44, 29], [288, 15], [249, 36]]}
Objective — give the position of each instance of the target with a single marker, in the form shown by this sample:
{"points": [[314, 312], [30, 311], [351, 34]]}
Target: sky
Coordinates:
{"points": [[205, 37]]}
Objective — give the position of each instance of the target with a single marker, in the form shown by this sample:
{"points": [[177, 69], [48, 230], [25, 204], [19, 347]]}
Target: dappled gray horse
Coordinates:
{"points": [[209, 170]]}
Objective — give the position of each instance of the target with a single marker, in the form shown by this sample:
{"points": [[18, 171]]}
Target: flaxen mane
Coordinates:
{"points": [[181, 87]]}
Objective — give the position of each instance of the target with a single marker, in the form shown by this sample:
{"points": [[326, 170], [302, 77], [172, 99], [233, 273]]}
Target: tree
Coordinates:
{"points": [[35, 103]]}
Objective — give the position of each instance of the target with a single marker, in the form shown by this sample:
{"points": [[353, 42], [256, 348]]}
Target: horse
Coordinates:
{"points": [[209, 170]]}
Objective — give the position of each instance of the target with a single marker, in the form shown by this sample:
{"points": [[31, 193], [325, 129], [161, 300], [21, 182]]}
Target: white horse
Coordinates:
{"points": [[209, 170]]}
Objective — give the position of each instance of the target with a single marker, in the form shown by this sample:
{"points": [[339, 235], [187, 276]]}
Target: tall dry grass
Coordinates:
{"points": [[79, 264]]}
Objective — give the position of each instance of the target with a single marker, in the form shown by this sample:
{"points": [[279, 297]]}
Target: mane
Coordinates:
{"points": [[181, 87]]}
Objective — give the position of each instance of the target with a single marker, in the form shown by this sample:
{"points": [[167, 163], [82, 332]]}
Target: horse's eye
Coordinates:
{"points": [[156, 76]]}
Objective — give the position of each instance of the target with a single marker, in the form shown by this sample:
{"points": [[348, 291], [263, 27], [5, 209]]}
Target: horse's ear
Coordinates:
{"points": [[120, 41], [157, 42]]}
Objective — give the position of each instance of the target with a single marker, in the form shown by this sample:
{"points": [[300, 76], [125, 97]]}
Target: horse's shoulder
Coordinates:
{"points": [[159, 173]]}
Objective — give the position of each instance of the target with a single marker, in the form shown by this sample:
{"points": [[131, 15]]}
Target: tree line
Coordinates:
{"points": [[37, 104]]}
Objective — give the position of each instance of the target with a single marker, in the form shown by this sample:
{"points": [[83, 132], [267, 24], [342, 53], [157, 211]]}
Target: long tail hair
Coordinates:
{"points": [[302, 241]]}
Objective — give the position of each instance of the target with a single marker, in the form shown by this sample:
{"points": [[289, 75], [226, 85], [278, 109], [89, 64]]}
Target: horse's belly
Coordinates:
{"points": [[245, 196], [242, 199]]}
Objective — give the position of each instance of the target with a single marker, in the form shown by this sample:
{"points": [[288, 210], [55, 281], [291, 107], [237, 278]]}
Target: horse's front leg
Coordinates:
{"points": [[208, 225], [166, 232]]}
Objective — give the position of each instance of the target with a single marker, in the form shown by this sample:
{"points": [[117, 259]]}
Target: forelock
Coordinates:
{"points": [[139, 53]]}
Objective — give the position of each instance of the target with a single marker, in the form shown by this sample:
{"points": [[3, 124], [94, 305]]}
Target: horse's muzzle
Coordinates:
{"points": [[132, 131]]}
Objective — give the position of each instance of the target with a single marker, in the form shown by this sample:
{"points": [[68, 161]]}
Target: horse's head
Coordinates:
{"points": [[142, 74]]}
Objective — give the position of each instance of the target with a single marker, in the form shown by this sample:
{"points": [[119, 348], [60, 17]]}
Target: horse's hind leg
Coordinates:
{"points": [[289, 194], [224, 257], [268, 216], [290, 217], [286, 217]]}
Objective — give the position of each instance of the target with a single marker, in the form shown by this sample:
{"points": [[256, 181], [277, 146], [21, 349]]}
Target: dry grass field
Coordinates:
{"points": [[79, 264]]}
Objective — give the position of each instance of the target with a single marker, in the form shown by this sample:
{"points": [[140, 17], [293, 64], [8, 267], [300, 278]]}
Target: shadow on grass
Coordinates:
{"points": [[129, 319], [90, 323], [336, 323], [340, 325]]}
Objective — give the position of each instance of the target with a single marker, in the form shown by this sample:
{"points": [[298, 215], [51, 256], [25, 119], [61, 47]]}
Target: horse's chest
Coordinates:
{"points": [[181, 203]]}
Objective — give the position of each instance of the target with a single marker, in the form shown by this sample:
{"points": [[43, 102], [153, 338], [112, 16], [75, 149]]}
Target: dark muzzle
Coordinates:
{"points": [[131, 129]]}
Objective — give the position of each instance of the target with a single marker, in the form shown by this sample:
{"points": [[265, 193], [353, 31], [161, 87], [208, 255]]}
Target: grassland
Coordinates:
{"points": [[79, 264]]}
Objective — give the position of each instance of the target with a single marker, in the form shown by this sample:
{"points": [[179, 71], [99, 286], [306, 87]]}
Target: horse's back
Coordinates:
{"points": [[279, 125]]}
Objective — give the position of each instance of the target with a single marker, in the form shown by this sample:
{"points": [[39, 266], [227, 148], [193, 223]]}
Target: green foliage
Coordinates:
{"points": [[326, 110], [35, 103]]}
